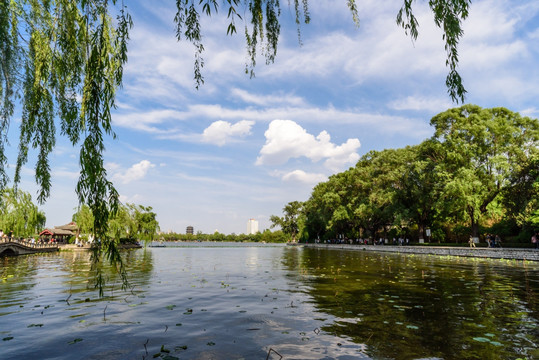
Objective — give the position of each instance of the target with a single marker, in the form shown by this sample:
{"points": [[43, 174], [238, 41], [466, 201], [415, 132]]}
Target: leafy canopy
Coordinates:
{"points": [[289, 222], [20, 214], [483, 149], [480, 166], [64, 59]]}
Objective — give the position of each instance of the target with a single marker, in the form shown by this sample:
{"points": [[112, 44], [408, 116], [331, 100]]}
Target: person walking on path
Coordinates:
{"points": [[471, 242], [497, 241], [535, 239]]}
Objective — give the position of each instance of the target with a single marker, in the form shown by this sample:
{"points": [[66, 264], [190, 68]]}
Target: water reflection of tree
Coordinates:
{"points": [[17, 274], [414, 306], [292, 258], [20, 273], [138, 263]]}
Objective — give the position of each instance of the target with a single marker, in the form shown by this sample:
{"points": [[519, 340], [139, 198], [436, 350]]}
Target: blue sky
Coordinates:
{"points": [[241, 148]]}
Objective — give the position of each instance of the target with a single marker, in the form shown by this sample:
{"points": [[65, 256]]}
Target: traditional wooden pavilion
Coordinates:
{"points": [[60, 234]]}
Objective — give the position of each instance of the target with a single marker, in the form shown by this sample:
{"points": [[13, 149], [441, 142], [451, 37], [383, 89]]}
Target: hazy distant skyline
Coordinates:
{"points": [[242, 148]]}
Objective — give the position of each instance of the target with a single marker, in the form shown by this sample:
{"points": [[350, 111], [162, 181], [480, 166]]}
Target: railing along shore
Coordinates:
{"points": [[30, 244]]}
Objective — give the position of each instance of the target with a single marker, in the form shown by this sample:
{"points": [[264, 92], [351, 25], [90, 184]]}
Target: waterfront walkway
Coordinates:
{"points": [[23, 247], [493, 253]]}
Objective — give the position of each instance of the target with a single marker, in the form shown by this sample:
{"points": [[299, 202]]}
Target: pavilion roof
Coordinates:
{"points": [[56, 231]]}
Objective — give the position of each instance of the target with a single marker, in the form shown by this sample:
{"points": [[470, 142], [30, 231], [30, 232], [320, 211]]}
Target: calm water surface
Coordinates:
{"points": [[250, 301]]}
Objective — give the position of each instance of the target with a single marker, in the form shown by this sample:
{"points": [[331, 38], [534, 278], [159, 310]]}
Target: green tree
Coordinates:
{"points": [[217, 236], [420, 195], [273, 236], [355, 201], [338, 202], [84, 219], [20, 214], [377, 178], [122, 224], [521, 200], [145, 222], [481, 164], [288, 223], [316, 213], [64, 59], [130, 221], [313, 223], [482, 148]]}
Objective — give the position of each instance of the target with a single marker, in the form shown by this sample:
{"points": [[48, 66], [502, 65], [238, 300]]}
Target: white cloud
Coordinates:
{"points": [[496, 21], [420, 103], [134, 199], [267, 99], [379, 49], [163, 124], [303, 177], [112, 167], [135, 172], [532, 112], [506, 88], [66, 173], [484, 56], [285, 140], [147, 121], [220, 132], [381, 123]]}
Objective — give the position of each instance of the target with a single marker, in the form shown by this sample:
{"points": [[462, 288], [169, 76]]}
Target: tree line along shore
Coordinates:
{"points": [[476, 177]]}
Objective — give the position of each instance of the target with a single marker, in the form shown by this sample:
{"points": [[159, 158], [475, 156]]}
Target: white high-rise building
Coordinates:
{"points": [[252, 226]]}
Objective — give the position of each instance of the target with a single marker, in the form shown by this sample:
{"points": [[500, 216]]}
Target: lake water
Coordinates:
{"points": [[248, 302]]}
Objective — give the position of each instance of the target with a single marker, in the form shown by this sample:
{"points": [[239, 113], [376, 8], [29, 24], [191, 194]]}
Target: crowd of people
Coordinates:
{"points": [[9, 237], [367, 241], [492, 240], [4, 236]]}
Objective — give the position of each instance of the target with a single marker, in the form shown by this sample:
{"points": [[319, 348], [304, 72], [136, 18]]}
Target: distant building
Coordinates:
{"points": [[252, 226], [190, 230]]}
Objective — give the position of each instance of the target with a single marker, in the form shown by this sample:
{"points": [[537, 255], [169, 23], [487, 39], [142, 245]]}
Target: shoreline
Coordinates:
{"points": [[73, 247], [491, 253]]}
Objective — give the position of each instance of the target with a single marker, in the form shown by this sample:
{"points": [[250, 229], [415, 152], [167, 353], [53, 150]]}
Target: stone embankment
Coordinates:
{"points": [[494, 253]]}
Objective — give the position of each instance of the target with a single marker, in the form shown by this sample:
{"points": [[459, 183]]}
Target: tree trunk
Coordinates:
{"points": [[475, 229], [421, 229], [474, 225]]}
